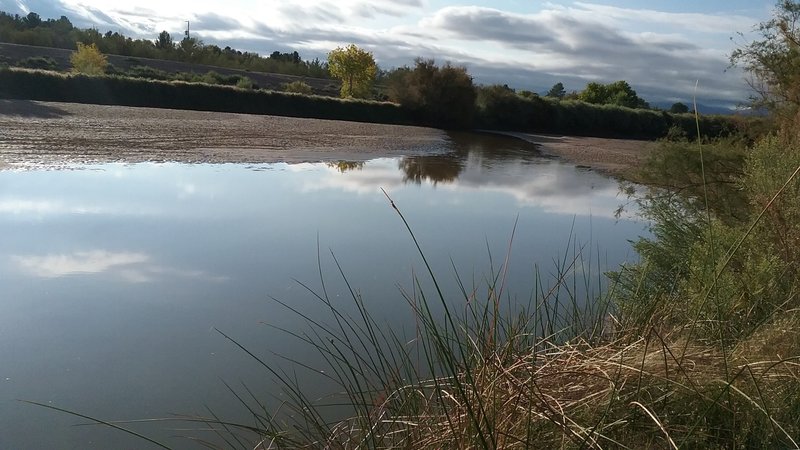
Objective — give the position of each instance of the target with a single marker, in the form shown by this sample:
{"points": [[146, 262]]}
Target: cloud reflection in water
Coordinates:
{"points": [[133, 267]]}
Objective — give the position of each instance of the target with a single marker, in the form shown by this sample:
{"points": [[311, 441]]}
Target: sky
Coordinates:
{"points": [[661, 47]]}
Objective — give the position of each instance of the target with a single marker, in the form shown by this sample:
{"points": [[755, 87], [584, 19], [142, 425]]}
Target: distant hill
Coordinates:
{"points": [[703, 109], [272, 81]]}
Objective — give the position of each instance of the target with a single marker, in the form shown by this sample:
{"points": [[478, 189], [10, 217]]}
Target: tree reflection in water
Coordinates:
{"points": [[484, 150], [346, 166]]}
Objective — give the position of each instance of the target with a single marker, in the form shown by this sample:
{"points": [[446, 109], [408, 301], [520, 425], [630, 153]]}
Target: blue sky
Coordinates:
{"points": [[660, 47]]}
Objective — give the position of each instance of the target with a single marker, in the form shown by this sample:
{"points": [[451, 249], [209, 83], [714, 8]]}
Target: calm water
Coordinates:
{"points": [[114, 276]]}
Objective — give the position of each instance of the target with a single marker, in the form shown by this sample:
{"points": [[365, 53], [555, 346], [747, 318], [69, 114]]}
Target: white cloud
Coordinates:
{"points": [[692, 22]]}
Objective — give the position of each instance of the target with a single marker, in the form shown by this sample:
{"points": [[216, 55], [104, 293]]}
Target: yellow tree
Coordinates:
{"points": [[355, 67], [88, 60]]}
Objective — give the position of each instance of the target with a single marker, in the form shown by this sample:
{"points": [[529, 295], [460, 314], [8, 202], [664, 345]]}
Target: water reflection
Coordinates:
{"points": [[113, 278], [481, 150], [132, 267], [485, 163], [345, 166]]}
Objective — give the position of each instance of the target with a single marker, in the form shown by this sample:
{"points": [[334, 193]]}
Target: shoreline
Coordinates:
{"points": [[610, 156], [54, 134]]}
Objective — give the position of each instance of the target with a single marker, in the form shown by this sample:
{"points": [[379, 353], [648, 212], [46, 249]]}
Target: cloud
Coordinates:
{"points": [[215, 22], [693, 22], [562, 44]]}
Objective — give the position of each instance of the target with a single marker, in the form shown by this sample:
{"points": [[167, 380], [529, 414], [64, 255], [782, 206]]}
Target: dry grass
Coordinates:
{"points": [[643, 393]]}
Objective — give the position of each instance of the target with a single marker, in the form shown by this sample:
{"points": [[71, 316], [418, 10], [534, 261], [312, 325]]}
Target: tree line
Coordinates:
{"points": [[61, 33], [437, 95]]}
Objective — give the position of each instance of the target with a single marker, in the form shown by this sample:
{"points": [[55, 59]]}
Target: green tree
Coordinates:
{"points": [[557, 91], [88, 60], [444, 96], [164, 41], [619, 93], [596, 93], [355, 67], [679, 108], [774, 60], [32, 20], [190, 48]]}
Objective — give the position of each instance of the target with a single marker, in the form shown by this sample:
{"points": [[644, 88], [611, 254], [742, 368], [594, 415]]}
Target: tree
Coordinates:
{"points": [[619, 93], [774, 61], [355, 67], [88, 60], [190, 48], [32, 20], [443, 96], [679, 108], [557, 91], [164, 41]]}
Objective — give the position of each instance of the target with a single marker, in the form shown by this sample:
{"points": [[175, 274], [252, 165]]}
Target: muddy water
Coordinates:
{"points": [[114, 277]]}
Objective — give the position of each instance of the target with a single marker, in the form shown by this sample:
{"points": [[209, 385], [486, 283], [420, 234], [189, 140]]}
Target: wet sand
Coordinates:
{"points": [[56, 134]]}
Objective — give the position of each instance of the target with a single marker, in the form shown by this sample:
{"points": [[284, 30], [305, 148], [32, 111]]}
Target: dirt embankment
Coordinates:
{"points": [[59, 133], [56, 134]]}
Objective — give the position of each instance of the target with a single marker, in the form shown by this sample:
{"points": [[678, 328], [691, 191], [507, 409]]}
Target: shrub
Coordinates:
{"points": [[245, 83], [148, 73], [38, 62], [298, 87], [88, 60], [49, 86], [441, 96]]}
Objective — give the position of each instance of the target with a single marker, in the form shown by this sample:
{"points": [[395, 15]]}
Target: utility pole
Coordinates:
{"points": [[187, 30]]}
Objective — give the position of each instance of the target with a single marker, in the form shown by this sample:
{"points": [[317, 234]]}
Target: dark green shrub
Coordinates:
{"points": [[126, 91], [439, 96], [38, 62]]}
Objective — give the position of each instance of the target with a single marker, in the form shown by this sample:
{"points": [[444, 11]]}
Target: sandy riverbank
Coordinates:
{"points": [[55, 134]]}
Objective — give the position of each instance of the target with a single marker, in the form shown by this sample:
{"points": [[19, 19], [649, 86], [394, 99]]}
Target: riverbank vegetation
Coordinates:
{"points": [[116, 90], [427, 95]]}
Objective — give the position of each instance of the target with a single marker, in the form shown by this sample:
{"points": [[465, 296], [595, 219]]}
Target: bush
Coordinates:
{"points": [[298, 87], [48, 86], [149, 73], [440, 96], [245, 83], [88, 60], [38, 62]]}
